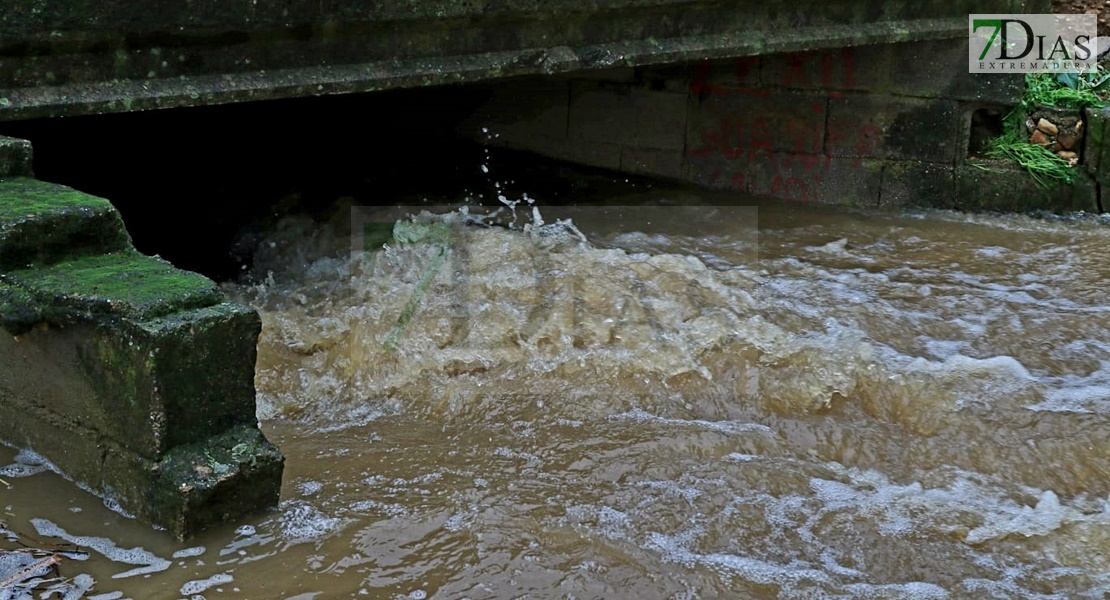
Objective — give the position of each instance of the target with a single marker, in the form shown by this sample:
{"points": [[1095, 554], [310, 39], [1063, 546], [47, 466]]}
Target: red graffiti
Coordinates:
{"points": [[785, 150]]}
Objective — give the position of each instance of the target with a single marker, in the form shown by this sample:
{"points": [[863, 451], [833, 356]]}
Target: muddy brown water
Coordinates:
{"points": [[757, 401]]}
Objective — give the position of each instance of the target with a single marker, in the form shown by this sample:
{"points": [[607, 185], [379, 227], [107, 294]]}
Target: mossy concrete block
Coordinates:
{"points": [[43, 222], [1096, 156], [123, 284], [999, 186], [197, 485], [815, 179], [917, 183], [879, 126], [15, 157], [736, 122], [70, 442], [147, 385], [120, 368]]}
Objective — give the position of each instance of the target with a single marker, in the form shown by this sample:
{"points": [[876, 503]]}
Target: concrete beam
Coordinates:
{"points": [[66, 58], [132, 377]]}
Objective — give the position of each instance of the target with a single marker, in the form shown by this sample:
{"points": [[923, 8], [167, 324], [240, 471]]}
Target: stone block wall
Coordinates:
{"points": [[134, 378], [879, 125]]}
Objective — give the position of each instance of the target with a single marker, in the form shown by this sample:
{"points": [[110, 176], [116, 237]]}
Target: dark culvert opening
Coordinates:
{"points": [[986, 124], [189, 181]]}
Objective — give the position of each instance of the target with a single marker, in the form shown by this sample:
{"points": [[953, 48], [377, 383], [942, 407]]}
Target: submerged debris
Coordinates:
{"points": [[24, 571]]}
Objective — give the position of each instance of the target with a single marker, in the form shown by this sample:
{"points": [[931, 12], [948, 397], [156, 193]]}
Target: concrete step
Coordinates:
{"points": [[133, 377]]}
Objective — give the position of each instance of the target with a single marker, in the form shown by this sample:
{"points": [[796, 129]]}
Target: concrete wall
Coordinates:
{"points": [[67, 58], [134, 378], [878, 125]]}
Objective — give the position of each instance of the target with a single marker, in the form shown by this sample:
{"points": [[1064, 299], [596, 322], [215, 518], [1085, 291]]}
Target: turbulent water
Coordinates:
{"points": [[663, 401]]}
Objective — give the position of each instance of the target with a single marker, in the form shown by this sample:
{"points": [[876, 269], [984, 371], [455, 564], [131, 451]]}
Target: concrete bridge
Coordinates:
{"points": [[839, 101], [67, 58]]}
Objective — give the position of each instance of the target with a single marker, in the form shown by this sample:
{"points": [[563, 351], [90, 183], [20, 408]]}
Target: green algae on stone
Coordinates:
{"points": [[43, 222], [230, 474], [127, 284]]}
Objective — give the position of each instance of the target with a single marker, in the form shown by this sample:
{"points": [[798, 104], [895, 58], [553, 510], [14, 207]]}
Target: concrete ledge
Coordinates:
{"points": [[67, 59], [133, 377], [1001, 186], [914, 183], [42, 223], [15, 157]]}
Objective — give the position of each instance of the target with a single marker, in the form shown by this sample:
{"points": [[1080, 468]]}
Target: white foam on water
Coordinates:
{"points": [[1047, 516], [914, 590], [607, 521], [302, 522], [309, 488], [107, 596], [197, 586], [27, 463], [959, 365], [189, 552], [150, 563], [729, 427], [674, 549]]}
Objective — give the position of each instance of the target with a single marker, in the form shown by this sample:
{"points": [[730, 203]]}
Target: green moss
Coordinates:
{"points": [[41, 223], [121, 283], [22, 198]]}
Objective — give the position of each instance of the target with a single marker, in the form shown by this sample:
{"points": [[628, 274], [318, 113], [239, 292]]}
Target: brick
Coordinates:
{"points": [[15, 157], [1000, 186], [147, 385], [718, 171], [815, 179], [913, 69], [756, 121], [893, 127], [723, 77], [914, 183], [903, 69], [826, 70], [627, 116]]}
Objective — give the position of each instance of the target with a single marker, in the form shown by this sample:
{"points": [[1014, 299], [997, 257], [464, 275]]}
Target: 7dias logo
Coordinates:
{"points": [[1031, 43]]}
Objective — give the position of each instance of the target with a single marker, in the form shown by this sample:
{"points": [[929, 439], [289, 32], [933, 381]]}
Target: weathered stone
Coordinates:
{"points": [[1071, 157], [887, 127], [1002, 186], [125, 284], [1047, 126], [198, 485], [744, 122], [1067, 141], [1039, 138], [816, 179], [119, 368], [107, 57], [917, 183], [1096, 136], [42, 222], [15, 157]]}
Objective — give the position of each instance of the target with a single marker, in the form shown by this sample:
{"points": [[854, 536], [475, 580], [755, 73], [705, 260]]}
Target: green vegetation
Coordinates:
{"points": [[1067, 90], [1042, 164], [124, 283], [1060, 90]]}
